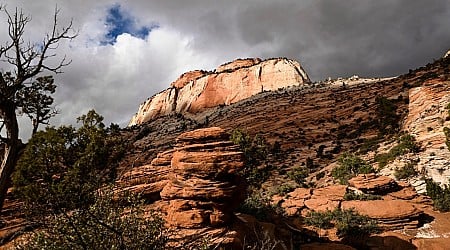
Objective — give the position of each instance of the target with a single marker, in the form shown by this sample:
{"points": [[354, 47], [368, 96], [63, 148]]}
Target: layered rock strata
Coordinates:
{"points": [[398, 207], [197, 91], [204, 188]]}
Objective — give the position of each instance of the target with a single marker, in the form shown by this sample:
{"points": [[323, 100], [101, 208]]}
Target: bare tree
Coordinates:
{"points": [[27, 61]]}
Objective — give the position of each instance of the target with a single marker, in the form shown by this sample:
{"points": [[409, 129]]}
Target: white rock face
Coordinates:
{"points": [[197, 91], [447, 54], [426, 121]]}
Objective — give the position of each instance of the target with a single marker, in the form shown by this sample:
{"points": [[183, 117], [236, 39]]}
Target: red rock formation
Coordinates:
{"points": [[203, 189], [197, 91], [373, 184]]}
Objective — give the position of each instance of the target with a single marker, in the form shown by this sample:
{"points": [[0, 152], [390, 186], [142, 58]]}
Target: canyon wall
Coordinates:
{"points": [[196, 91]]}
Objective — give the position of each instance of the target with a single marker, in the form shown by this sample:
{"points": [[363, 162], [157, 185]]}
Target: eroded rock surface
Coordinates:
{"points": [[426, 120], [197, 91]]}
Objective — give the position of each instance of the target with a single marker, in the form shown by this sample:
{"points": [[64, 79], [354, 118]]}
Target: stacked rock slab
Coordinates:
{"points": [[203, 188], [391, 213], [373, 184]]}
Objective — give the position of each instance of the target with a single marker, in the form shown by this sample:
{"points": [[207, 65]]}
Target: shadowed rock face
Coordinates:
{"points": [[197, 91]]}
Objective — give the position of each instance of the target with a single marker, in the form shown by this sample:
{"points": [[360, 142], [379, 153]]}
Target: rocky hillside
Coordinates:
{"points": [[310, 126], [197, 91]]}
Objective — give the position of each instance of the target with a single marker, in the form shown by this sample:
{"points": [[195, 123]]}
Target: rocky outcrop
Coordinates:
{"points": [[197, 91], [203, 189]]}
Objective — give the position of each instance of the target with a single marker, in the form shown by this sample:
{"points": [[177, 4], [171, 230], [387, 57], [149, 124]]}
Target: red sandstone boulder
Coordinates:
{"points": [[373, 184]]}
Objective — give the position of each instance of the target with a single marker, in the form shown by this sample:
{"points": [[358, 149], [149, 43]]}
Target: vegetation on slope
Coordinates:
{"points": [[347, 222], [350, 165]]}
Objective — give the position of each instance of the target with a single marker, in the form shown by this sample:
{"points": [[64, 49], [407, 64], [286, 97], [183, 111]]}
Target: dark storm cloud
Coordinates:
{"points": [[329, 37]]}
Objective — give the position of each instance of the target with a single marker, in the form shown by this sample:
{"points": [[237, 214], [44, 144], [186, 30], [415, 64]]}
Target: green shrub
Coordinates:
{"points": [[447, 137], [351, 223], [284, 189], [439, 195], [320, 175], [350, 165], [347, 222], [406, 171], [406, 144], [104, 224]]}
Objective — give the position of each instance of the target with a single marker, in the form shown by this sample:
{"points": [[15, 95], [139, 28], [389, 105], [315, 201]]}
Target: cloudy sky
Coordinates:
{"points": [[126, 51]]}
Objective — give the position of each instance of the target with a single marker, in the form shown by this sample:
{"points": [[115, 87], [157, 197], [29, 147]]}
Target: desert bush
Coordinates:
{"points": [[439, 195], [406, 144], [348, 222], [320, 175], [105, 224], [405, 172], [350, 165], [284, 189]]}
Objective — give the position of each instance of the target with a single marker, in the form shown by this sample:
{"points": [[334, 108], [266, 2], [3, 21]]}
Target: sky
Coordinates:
{"points": [[127, 51]]}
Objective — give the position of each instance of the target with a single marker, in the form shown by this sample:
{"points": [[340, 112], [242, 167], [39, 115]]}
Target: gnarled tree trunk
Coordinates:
{"points": [[12, 148]]}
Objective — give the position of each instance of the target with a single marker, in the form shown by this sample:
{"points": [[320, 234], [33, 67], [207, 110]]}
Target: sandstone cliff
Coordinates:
{"points": [[196, 91]]}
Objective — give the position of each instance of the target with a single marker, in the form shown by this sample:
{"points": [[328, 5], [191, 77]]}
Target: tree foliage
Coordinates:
{"points": [[105, 224], [61, 167], [22, 88]]}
